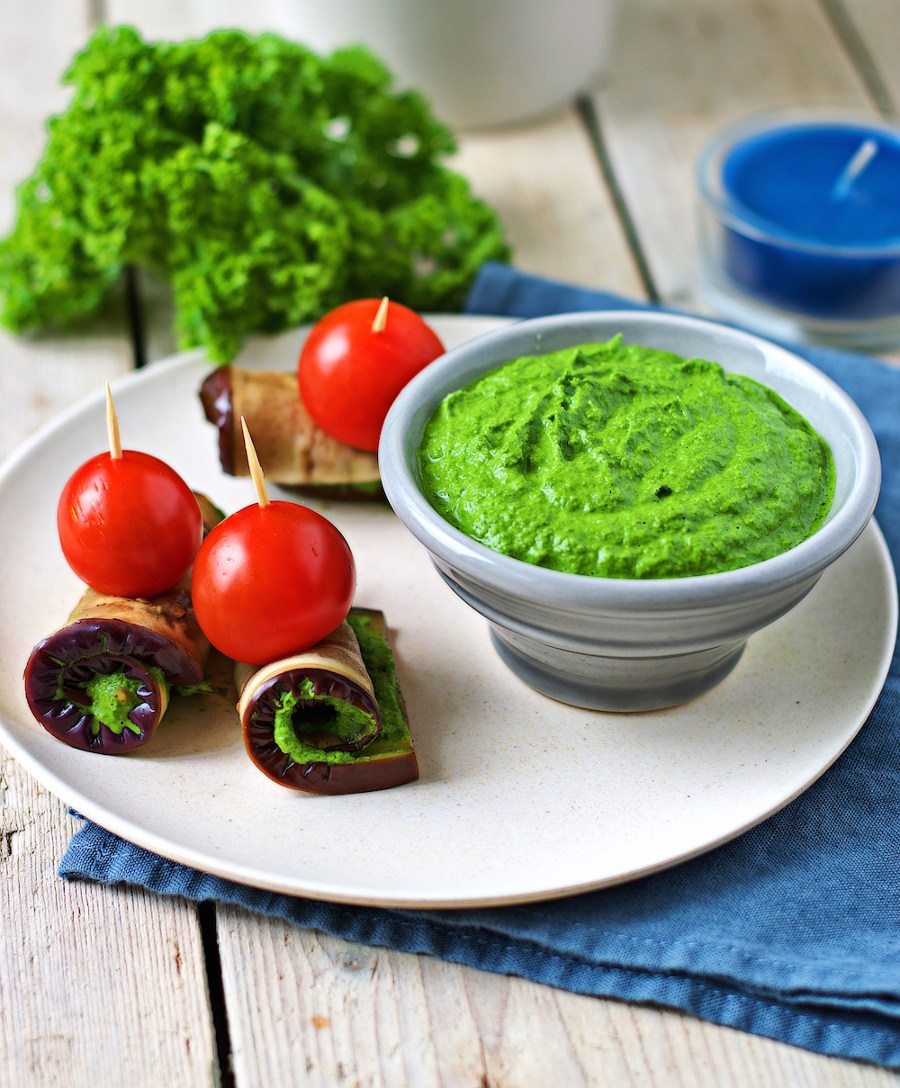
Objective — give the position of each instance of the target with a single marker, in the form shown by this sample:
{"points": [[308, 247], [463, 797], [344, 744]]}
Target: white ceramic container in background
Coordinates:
{"points": [[479, 62], [617, 643]]}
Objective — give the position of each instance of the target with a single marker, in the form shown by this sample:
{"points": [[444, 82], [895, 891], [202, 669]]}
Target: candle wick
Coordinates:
{"points": [[860, 160]]}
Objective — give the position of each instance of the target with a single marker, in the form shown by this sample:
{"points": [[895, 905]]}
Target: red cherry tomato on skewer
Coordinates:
{"points": [[350, 372], [272, 580], [129, 526]]}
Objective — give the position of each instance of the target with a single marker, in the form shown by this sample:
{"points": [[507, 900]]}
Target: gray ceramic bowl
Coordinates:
{"points": [[628, 644]]}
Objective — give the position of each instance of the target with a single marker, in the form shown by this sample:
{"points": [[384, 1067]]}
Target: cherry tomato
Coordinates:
{"points": [[350, 375], [271, 581], [128, 526]]}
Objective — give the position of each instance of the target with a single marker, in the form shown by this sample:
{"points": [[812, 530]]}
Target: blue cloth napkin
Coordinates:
{"points": [[791, 931]]}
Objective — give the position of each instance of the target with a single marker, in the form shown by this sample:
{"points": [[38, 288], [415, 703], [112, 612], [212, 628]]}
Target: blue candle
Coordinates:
{"points": [[803, 216]]}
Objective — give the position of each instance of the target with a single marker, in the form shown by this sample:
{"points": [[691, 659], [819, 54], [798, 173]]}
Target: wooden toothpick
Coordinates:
{"points": [[381, 316], [256, 472], [112, 427]]}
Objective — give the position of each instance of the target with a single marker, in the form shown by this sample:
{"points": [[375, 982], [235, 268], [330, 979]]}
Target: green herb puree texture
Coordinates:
{"points": [[298, 725], [349, 721], [112, 698], [620, 461]]}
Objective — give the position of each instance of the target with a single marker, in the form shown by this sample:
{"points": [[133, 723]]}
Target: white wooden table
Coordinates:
{"points": [[601, 194]]}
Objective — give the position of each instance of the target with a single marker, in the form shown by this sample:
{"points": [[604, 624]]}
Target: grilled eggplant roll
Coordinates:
{"points": [[101, 683], [294, 450], [331, 719]]}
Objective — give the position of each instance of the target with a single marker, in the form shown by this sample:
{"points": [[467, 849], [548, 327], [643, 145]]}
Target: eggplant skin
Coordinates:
{"points": [[215, 396], [334, 779], [61, 666]]}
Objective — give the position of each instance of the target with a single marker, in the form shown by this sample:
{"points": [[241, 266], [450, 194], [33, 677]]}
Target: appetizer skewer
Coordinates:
{"points": [[129, 526], [319, 704], [102, 681], [320, 432]]}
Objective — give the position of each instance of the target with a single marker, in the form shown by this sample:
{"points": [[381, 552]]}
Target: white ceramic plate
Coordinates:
{"points": [[520, 798]]}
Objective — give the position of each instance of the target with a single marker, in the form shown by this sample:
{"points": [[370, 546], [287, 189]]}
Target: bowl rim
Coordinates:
{"points": [[583, 593]]}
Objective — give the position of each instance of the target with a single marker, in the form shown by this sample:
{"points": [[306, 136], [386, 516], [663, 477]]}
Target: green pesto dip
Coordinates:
{"points": [[621, 461]]}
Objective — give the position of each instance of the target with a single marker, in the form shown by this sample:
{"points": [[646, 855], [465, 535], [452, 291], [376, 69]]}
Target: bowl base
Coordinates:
{"points": [[619, 684]]}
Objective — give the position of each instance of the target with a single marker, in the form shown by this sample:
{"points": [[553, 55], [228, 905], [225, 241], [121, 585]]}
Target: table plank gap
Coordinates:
{"points": [[591, 122], [877, 25], [135, 310], [207, 918], [847, 31]]}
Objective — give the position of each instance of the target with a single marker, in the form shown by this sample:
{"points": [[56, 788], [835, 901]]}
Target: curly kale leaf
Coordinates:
{"points": [[428, 250], [264, 182], [250, 237]]}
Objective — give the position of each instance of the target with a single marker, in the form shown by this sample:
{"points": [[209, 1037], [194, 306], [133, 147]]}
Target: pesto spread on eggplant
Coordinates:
{"points": [[294, 730], [621, 461]]}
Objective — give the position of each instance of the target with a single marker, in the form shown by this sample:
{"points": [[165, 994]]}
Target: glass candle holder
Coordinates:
{"points": [[800, 227]]}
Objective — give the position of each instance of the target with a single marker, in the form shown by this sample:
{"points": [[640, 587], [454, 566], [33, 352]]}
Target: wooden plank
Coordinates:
{"points": [[548, 191], [98, 986], [323, 1012], [680, 72]]}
